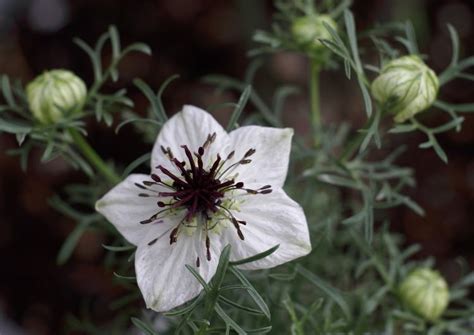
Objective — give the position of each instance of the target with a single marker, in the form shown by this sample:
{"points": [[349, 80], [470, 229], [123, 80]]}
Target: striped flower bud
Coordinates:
{"points": [[308, 30], [55, 94], [407, 86], [426, 293]]}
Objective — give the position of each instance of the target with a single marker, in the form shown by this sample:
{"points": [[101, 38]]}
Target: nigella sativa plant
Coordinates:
{"points": [[207, 189]]}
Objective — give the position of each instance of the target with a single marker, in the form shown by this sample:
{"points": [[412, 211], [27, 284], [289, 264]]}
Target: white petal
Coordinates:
{"points": [[164, 280], [270, 161], [125, 209], [272, 219], [189, 127]]}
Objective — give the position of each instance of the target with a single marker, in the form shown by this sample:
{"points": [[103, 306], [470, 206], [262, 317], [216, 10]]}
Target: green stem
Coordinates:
{"points": [[315, 100], [93, 157]]}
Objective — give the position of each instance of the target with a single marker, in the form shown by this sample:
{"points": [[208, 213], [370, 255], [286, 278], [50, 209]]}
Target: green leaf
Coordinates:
{"points": [[221, 268], [255, 257], [244, 97], [338, 181], [402, 128], [466, 281], [263, 330], [118, 248], [455, 45], [333, 293], [136, 163], [150, 95], [143, 326], [437, 148], [71, 241], [148, 121], [352, 35], [126, 278], [14, 127], [201, 280], [186, 309], [280, 96], [95, 59], [225, 82], [366, 97], [124, 301], [227, 319], [257, 298], [159, 95], [462, 108], [412, 45], [246, 309], [115, 41], [138, 47], [7, 91]]}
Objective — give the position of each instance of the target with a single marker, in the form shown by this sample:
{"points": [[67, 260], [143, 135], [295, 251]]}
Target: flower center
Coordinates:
{"points": [[197, 189]]}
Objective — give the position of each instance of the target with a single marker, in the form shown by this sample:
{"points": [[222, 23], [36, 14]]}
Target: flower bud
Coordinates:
{"points": [[55, 94], [308, 30], [425, 292], [408, 85]]}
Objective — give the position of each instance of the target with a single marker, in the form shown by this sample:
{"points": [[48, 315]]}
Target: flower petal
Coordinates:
{"points": [[271, 219], [125, 209], [189, 127], [162, 276], [270, 161]]}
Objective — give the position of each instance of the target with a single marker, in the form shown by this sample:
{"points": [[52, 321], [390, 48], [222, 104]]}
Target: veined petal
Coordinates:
{"points": [[125, 210], [189, 127], [270, 161], [271, 219], [162, 276]]}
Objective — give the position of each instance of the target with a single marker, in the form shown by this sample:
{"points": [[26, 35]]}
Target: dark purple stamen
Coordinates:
{"points": [[198, 190]]}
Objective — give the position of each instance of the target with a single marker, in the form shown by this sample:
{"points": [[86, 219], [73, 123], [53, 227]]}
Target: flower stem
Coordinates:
{"points": [[93, 157], [315, 100]]}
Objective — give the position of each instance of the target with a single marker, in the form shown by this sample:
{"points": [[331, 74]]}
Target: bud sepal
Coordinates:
{"points": [[425, 292], [406, 86], [55, 95]]}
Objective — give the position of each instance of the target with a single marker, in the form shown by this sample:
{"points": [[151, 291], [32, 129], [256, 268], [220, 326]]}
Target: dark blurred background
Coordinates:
{"points": [[193, 38]]}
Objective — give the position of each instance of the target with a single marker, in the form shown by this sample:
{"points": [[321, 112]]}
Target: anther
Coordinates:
{"points": [[153, 241], [156, 178], [249, 153], [208, 246], [140, 186], [143, 195], [163, 150], [198, 262], [173, 235]]}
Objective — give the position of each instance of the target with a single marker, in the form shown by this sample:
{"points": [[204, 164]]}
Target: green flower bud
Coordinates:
{"points": [[308, 30], [55, 94], [426, 293], [408, 84]]}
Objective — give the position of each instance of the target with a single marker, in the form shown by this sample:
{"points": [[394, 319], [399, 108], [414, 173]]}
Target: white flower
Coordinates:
{"points": [[207, 189]]}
